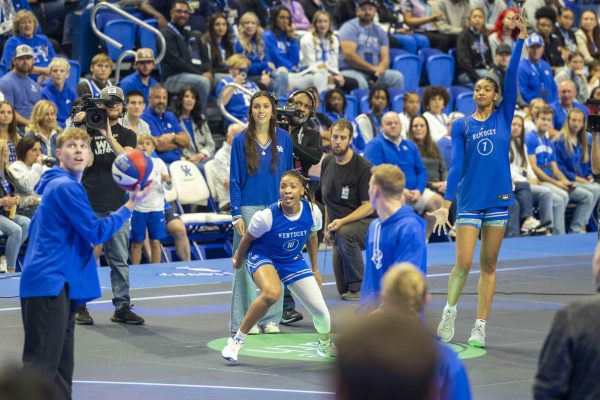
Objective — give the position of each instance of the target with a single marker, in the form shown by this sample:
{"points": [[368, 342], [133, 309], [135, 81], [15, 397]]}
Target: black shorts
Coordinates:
{"points": [[170, 215]]}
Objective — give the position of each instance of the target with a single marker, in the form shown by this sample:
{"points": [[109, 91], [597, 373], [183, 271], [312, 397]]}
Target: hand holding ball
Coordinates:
{"points": [[132, 168]]}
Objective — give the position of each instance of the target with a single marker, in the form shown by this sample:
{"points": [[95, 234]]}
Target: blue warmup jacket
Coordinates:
{"points": [[400, 238], [62, 236], [572, 165], [283, 52], [536, 81], [62, 99]]}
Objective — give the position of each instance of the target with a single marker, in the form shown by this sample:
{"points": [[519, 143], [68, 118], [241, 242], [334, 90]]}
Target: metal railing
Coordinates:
{"points": [[162, 45], [221, 106]]}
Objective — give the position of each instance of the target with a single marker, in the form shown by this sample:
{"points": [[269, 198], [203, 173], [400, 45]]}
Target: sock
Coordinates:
{"points": [[324, 342], [453, 308], [480, 322], [240, 337]]}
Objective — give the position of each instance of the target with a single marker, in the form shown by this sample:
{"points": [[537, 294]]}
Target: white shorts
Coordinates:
{"points": [[419, 206]]}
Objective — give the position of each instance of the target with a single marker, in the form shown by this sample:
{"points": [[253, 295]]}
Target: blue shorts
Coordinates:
{"points": [[154, 221], [494, 216], [288, 272]]}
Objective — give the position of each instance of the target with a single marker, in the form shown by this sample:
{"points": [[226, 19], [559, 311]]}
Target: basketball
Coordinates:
{"points": [[132, 168]]}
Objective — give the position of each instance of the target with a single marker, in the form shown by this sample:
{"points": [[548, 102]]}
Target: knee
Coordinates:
{"points": [[461, 270], [271, 294], [487, 265], [177, 230], [435, 202]]}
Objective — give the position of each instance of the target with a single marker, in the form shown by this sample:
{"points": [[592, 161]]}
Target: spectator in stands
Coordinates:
{"points": [[534, 108], [192, 120], [263, 10], [564, 30], [435, 100], [505, 31], [217, 46], [498, 71], [312, 6], [455, 16], [594, 109], [18, 88], [25, 173], [8, 15], [141, 80], [369, 123], [437, 171], [493, 9], [418, 16], [101, 68], [235, 101], [366, 51], [262, 70], [391, 19], [542, 156], [136, 105], [58, 91], [593, 75], [171, 138], [222, 166], [25, 26], [320, 51], [531, 6], [553, 49], [16, 228], [574, 71], [389, 148], [282, 46], [335, 108], [535, 76], [43, 126], [180, 67], [8, 129], [473, 54], [345, 192], [299, 19], [412, 108], [162, 10], [522, 173], [259, 157], [588, 36], [565, 103]]}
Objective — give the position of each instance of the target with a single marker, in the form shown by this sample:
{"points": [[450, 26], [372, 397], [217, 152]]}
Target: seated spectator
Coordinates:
{"points": [[25, 173], [534, 108], [435, 100], [192, 120], [217, 46], [43, 127], [282, 46], [312, 6], [437, 172], [335, 106], [235, 101], [101, 68], [262, 70], [588, 36], [222, 165], [473, 54], [162, 11], [574, 71], [8, 129], [595, 95], [553, 53], [141, 80], [58, 91], [16, 86], [369, 123], [565, 103], [25, 26], [505, 31], [390, 148], [564, 30], [401, 36], [322, 121], [299, 19], [320, 51], [534, 75], [498, 71], [493, 9], [533, 6], [132, 119], [180, 67], [14, 225], [593, 75], [261, 9], [455, 17], [419, 17], [366, 50], [412, 108], [171, 138]]}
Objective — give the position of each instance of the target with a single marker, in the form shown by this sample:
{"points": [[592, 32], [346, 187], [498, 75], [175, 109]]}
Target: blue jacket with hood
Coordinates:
{"points": [[62, 236]]}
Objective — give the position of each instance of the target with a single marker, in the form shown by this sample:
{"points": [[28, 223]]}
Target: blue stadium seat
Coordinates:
{"points": [[395, 53], [362, 95], [452, 52], [74, 74], [440, 70], [351, 107], [455, 91], [122, 31], [398, 103], [464, 103], [147, 38], [410, 67]]}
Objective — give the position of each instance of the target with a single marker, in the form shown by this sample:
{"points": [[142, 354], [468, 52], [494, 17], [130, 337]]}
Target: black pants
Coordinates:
{"points": [[49, 324]]}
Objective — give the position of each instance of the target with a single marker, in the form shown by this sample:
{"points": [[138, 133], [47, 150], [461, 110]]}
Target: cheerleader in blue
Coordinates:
{"points": [[480, 178], [272, 246]]}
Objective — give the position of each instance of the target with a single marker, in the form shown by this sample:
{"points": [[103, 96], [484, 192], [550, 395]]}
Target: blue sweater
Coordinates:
{"points": [[62, 237], [480, 170], [560, 114], [536, 81], [134, 82], [381, 150], [572, 164], [400, 238], [262, 188], [63, 99], [258, 64], [283, 52], [43, 52]]}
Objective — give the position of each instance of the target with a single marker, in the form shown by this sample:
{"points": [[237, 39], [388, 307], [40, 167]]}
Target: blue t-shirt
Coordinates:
{"points": [[21, 92], [240, 102], [543, 149], [258, 63], [62, 99], [369, 41], [168, 123], [283, 52], [134, 82], [560, 113], [43, 52], [536, 80]]}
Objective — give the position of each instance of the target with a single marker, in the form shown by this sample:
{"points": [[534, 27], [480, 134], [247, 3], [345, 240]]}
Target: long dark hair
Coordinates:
{"points": [[519, 144], [250, 140], [274, 14], [308, 194], [210, 38], [591, 45], [12, 127], [328, 98], [427, 147], [196, 113]]}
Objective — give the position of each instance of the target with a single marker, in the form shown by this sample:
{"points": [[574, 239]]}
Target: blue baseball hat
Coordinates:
{"points": [[534, 40]]}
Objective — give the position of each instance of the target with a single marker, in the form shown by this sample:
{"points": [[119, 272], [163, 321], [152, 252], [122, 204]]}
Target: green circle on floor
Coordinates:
{"points": [[303, 347]]}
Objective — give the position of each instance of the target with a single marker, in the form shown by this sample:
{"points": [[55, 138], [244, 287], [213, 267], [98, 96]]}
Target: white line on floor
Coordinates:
{"points": [[502, 383]]}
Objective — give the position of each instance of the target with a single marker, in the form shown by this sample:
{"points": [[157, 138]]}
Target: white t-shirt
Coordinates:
{"points": [[263, 220], [155, 200]]}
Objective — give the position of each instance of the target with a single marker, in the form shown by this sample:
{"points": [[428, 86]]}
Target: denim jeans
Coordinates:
{"points": [[317, 79], [202, 85], [116, 251], [411, 43], [560, 199], [17, 230], [390, 78], [585, 196], [520, 210], [279, 83], [542, 196], [244, 288]]}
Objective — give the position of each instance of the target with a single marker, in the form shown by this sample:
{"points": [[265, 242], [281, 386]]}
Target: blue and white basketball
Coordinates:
{"points": [[132, 168]]}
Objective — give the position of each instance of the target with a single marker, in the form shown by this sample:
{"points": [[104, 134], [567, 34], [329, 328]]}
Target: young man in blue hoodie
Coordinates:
{"points": [[397, 236], [58, 91], [59, 271]]}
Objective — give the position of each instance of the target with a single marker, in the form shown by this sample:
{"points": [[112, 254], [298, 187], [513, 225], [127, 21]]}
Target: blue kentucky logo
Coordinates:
{"points": [[186, 170]]}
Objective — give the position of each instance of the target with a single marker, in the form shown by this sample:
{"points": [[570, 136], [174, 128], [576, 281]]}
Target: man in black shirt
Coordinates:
{"points": [[345, 191], [105, 196]]}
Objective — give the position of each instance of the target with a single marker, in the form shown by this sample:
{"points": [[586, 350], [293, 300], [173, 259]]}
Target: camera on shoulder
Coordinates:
{"points": [[95, 117], [593, 121], [290, 114]]}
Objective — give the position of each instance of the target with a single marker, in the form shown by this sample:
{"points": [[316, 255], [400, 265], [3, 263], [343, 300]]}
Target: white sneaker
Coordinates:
{"points": [[271, 327], [477, 338], [3, 265], [255, 330], [445, 329], [327, 349], [232, 349]]}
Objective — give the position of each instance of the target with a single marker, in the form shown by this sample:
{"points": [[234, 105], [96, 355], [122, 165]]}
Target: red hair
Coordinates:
{"points": [[498, 27]]}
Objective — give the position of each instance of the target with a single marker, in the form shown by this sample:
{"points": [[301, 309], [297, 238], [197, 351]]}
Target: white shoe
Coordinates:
{"points": [[477, 338], [255, 330], [445, 329], [3, 265], [232, 349], [327, 349], [271, 327]]}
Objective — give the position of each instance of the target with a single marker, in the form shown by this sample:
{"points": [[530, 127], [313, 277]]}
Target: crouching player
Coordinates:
{"points": [[273, 244]]}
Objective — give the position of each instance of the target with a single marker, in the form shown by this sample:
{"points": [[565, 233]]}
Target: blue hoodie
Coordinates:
{"points": [[62, 99], [62, 236]]}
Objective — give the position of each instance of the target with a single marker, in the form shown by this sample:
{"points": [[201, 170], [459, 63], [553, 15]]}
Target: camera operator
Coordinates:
{"points": [[105, 196]]}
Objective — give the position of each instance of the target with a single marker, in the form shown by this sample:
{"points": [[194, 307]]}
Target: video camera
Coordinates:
{"points": [[290, 112], [95, 117], [593, 122]]}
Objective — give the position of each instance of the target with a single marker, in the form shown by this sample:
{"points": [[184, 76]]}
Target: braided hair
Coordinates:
{"points": [[308, 194]]}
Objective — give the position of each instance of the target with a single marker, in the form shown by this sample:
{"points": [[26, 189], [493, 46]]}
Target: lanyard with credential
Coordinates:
{"points": [[323, 51]]}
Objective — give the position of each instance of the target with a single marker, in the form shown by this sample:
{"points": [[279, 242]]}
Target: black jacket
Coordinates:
{"points": [[178, 57], [468, 55], [307, 146], [552, 53]]}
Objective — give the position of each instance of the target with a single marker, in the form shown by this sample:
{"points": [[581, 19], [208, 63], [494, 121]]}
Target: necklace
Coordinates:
{"points": [[264, 147]]}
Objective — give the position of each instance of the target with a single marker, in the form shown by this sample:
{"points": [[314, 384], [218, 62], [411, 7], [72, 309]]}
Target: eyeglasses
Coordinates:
{"points": [[181, 11]]}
